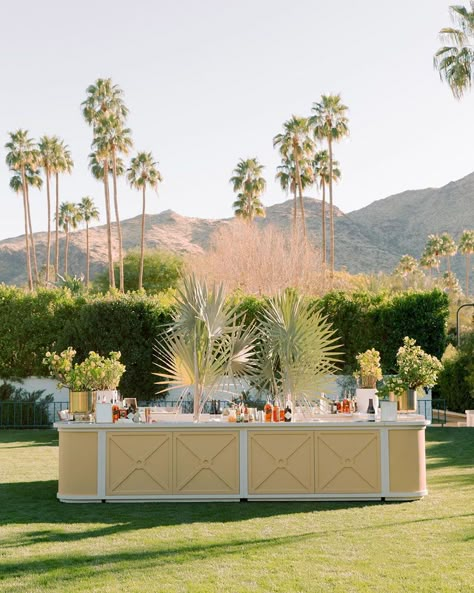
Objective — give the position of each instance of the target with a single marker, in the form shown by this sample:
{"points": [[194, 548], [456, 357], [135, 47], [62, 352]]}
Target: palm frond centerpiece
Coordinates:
{"points": [[206, 346]]}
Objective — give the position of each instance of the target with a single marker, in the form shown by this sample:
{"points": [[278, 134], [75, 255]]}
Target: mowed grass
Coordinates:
{"points": [[423, 546]]}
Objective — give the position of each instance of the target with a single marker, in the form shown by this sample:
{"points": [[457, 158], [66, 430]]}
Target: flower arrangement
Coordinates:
{"points": [[96, 372], [415, 367], [63, 369], [392, 384], [369, 369], [102, 373]]}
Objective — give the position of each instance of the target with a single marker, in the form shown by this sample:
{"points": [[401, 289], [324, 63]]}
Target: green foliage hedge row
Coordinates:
{"points": [[31, 324], [456, 380]]}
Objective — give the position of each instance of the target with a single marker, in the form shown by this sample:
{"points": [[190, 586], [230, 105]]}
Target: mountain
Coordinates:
{"points": [[367, 240]]}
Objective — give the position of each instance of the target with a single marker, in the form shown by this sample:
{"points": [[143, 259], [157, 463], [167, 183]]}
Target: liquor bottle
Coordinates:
{"points": [[288, 410], [246, 414], [267, 410], [371, 411], [276, 410]]}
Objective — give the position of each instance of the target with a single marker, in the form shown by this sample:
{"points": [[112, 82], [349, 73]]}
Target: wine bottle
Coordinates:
{"points": [[246, 414], [288, 410], [267, 410], [371, 411]]}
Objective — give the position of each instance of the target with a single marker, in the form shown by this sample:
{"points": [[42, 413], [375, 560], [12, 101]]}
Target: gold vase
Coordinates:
{"points": [[407, 402], [80, 402]]}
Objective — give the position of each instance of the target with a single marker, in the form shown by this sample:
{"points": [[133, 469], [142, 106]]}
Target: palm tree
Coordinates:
{"points": [[429, 261], [321, 176], [330, 122], [69, 218], [62, 163], [21, 155], [454, 61], [47, 160], [406, 267], [105, 110], [296, 147], [141, 174], [434, 248], [249, 185], [448, 249], [101, 168], [466, 247], [88, 212], [112, 138]]}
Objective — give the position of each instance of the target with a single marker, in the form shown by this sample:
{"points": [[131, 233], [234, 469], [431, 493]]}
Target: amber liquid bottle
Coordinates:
{"points": [[276, 411], [267, 411]]}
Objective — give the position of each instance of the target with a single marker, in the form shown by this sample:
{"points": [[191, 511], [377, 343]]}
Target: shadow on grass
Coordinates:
{"points": [[31, 437], [450, 447]]}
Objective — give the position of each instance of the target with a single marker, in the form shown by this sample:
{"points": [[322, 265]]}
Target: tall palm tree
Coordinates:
{"points": [[466, 247], [100, 165], [448, 249], [21, 155], [296, 145], [330, 122], [249, 184], [47, 160], [88, 212], [112, 138], [455, 59], [321, 177], [62, 163], [105, 111], [434, 248], [69, 219], [143, 173]]}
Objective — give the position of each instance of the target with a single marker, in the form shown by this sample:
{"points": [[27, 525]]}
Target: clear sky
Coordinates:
{"points": [[209, 82]]}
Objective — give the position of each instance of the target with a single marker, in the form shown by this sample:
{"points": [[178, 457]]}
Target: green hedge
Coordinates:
{"points": [[31, 324], [456, 380]]}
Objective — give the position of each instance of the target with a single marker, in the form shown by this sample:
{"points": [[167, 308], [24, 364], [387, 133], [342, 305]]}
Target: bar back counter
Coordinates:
{"points": [[328, 459]]}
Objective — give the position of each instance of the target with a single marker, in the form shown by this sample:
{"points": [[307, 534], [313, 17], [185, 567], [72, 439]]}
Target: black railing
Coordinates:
{"points": [[38, 414], [433, 409]]}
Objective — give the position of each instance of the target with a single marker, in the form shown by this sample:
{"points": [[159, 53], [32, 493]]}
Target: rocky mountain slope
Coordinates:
{"points": [[367, 240]]}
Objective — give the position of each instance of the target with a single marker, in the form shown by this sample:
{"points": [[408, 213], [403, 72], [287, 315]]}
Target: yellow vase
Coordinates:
{"points": [[80, 402]]}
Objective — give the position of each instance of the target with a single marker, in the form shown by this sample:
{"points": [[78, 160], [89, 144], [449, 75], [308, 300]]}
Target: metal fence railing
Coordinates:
{"points": [[21, 414], [433, 410]]}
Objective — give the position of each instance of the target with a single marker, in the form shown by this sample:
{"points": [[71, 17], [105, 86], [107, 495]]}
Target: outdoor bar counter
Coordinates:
{"points": [[331, 459]]}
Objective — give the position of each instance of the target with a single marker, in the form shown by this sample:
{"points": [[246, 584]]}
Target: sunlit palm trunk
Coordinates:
{"points": [[32, 238], [295, 205], [87, 254], [27, 242], [300, 188], [48, 246], [56, 231], [117, 218], [142, 251], [66, 251], [109, 228], [323, 223], [331, 211]]}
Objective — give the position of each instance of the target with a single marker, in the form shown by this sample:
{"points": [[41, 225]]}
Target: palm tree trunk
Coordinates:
{"points": [[48, 245], [323, 223], [300, 191], [331, 212], [109, 229], [27, 242], [142, 251], [87, 254], [32, 238], [468, 266], [294, 208], [56, 246], [117, 218], [448, 263], [66, 252]]}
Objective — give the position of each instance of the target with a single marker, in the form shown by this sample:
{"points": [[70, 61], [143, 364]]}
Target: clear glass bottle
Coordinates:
{"points": [[267, 411], [276, 410], [288, 410]]}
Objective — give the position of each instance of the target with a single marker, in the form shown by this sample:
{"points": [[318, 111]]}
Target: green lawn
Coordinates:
{"points": [[423, 546]]}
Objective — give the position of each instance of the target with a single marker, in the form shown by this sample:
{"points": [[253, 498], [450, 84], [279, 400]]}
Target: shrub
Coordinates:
{"points": [[456, 380], [161, 271]]}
